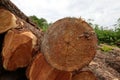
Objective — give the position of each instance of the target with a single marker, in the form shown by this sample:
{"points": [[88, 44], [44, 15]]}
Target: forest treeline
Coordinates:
{"points": [[109, 36]]}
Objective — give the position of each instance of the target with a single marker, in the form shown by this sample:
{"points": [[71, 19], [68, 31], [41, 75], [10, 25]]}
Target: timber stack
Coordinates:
{"points": [[60, 53]]}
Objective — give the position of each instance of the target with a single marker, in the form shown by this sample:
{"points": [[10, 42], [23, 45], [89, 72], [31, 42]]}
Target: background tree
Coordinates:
{"points": [[42, 23], [105, 35]]}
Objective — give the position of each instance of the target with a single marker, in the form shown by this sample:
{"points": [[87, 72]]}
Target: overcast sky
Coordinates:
{"points": [[104, 12]]}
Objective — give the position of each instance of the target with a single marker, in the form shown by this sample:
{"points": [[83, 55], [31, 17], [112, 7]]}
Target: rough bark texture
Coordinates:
{"points": [[18, 49], [114, 62], [69, 44], [41, 70], [84, 75], [103, 66]]}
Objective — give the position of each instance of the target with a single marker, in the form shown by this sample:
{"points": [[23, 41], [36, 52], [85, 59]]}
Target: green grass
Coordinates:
{"points": [[106, 48]]}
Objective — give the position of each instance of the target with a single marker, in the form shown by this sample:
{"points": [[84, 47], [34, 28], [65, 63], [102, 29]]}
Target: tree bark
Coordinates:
{"points": [[69, 44], [105, 65], [114, 64], [41, 70]]}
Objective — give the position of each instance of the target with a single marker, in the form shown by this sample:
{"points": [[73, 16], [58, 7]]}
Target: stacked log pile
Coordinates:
{"points": [[59, 54]]}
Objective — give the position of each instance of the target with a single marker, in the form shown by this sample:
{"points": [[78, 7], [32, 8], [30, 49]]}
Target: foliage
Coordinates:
{"points": [[42, 23], [109, 36], [106, 36]]}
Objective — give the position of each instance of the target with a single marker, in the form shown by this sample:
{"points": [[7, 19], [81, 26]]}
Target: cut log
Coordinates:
{"points": [[114, 64], [41, 70], [64, 46], [7, 20], [84, 75], [7, 4], [69, 44], [17, 54], [59, 75], [38, 69], [106, 65], [18, 49]]}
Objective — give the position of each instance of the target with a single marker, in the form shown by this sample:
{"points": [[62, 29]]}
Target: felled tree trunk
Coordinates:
{"points": [[114, 64], [18, 49], [106, 65], [114, 60], [22, 38], [59, 75], [69, 44], [7, 20], [84, 75], [7, 4], [41, 70]]}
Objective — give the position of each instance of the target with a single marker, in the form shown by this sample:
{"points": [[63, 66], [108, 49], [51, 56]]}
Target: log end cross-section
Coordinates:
{"points": [[17, 49], [7, 20], [41, 70], [69, 44], [84, 75]]}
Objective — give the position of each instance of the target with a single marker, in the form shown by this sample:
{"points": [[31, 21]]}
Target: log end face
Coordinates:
{"points": [[41, 70], [38, 69], [84, 75], [7, 20], [17, 50], [59, 75], [32, 36], [69, 44]]}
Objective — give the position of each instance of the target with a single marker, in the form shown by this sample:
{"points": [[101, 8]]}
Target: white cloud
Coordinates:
{"points": [[104, 12]]}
